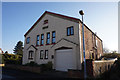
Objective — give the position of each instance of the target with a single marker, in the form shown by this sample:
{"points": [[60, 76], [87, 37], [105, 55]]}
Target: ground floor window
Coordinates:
{"points": [[41, 54], [46, 54], [92, 55], [30, 55]]}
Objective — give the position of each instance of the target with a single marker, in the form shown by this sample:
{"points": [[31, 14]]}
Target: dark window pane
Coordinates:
{"points": [[48, 35], [42, 36], [42, 42], [38, 43], [45, 21], [48, 41], [53, 34], [53, 40], [68, 31], [37, 37], [53, 37], [38, 40], [48, 38], [41, 54], [28, 40], [42, 39], [72, 30]]}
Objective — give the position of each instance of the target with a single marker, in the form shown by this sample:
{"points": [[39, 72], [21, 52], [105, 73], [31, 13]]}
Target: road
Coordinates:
{"points": [[11, 74]]}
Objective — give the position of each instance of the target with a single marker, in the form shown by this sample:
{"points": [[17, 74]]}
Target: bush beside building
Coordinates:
{"points": [[11, 59]]}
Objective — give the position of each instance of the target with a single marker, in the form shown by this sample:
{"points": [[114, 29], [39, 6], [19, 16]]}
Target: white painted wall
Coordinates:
{"points": [[60, 26]]}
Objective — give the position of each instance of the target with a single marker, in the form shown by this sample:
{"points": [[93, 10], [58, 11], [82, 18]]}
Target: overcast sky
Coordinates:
{"points": [[18, 17]]}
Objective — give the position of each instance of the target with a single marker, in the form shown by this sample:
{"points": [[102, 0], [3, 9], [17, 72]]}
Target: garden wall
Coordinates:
{"points": [[95, 68], [34, 69]]}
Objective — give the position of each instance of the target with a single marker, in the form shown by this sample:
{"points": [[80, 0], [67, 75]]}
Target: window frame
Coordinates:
{"points": [[46, 54], [72, 33], [70, 30], [45, 21], [96, 42], [53, 37], [27, 42], [41, 54], [42, 40], [30, 54], [48, 38], [38, 40]]}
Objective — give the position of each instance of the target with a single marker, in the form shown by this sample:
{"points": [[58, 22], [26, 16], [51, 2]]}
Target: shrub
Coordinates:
{"points": [[11, 59], [32, 63], [3, 59], [49, 65], [46, 67]]}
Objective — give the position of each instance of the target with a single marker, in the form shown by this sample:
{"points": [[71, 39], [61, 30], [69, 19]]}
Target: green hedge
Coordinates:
{"points": [[32, 63], [11, 59], [46, 67]]}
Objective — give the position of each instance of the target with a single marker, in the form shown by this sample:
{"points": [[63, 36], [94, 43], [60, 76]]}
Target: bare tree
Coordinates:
{"points": [[106, 50]]}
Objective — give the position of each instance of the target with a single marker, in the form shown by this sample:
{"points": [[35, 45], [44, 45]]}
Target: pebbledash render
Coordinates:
{"points": [[58, 38]]}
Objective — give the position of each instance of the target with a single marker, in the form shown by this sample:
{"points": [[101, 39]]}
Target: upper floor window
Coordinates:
{"points": [[53, 37], [46, 54], [96, 42], [70, 31], [42, 39], [30, 55], [48, 38], [38, 42], [45, 21], [41, 54], [28, 40]]}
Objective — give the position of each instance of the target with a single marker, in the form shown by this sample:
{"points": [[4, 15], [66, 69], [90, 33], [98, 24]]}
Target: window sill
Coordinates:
{"points": [[70, 35], [37, 45], [30, 58], [41, 45], [46, 58], [41, 58], [27, 43], [48, 44], [45, 23], [53, 43]]}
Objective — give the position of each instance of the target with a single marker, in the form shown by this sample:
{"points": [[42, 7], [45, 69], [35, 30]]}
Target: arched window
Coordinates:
{"points": [[30, 54]]}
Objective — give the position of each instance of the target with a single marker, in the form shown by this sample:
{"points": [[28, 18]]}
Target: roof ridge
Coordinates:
{"points": [[67, 17]]}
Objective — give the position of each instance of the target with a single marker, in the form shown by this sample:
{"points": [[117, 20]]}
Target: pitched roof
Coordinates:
{"points": [[65, 40], [61, 16], [51, 13], [32, 46]]}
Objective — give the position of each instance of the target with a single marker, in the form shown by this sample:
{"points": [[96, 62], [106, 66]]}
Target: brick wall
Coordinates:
{"points": [[100, 67], [92, 50]]}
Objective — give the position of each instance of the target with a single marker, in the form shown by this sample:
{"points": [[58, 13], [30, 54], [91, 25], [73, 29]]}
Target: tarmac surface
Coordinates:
{"points": [[11, 74]]}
